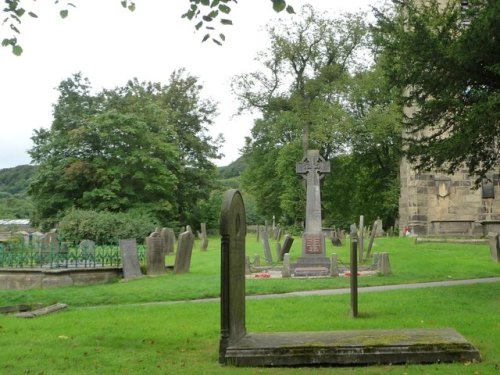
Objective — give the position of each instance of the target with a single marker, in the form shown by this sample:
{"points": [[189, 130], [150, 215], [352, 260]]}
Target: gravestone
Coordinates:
{"points": [[334, 265], [267, 249], [286, 266], [49, 243], [287, 246], [168, 237], [155, 255], [204, 237], [372, 238], [130, 260], [184, 252], [24, 238], [361, 237], [279, 254], [87, 249], [313, 261], [354, 271], [238, 347], [494, 246], [233, 232], [384, 266], [36, 240]]}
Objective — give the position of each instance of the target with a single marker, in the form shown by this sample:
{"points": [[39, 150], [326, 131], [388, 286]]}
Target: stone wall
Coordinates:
{"points": [[438, 204], [49, 278]]}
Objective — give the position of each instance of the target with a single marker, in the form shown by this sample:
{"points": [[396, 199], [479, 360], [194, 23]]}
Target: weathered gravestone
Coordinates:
{"points": [[336, 348], [36, 240], [286, 266], [313, 261], [168, 240], [267, 248], [87, 249], [49, 243], [155, 255], [204, 237], [130, 259], [184, 252], [287, 246], [494, 246]]}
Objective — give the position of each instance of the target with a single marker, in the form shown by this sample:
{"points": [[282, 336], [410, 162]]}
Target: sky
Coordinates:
{"points": [[110, 45]]}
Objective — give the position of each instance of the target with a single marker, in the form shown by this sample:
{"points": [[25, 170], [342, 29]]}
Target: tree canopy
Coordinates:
{"points": [[143, 146], [317, 89], [446, 57]]}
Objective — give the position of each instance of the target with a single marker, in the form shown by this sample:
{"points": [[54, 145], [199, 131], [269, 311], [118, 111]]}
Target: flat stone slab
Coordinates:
{"points": [[361, 347]]}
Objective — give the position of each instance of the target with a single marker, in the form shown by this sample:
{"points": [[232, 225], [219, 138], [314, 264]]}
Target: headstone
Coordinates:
{"points": [[184, 252], [258, 233], [168, 240], [232, 231], [279, 254], [286, 266], [155, 256], [384, 266], [24, 238], [361, 245], [87, 249], [204, 237], [334, 265], [36, 240], [287, 246], [372, 238], [494, 246], [256, 261], [267, 249], [130, 259], [49, 243], [379, 231], [313, 260]]}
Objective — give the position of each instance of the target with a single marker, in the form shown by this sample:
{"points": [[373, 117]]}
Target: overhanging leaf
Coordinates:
{"points": [[63, 13], [279, 5], [205, 37], [225, 21], [17, 50], [290, 10], [224, 8]]}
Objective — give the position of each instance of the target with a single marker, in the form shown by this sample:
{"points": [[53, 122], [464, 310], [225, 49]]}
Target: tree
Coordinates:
{"points": [[203, 12], [301, 95], [447, 59], [138, 147]]}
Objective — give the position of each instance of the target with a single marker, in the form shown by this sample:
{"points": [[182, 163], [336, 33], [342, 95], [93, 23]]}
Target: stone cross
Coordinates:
{"points": [[312, 168]]}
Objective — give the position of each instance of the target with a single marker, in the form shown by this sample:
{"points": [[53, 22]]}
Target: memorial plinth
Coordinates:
{"points": [[313, 261]]}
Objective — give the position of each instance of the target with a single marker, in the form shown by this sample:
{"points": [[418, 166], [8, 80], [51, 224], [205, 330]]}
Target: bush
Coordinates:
{"points": [[105, 228]]}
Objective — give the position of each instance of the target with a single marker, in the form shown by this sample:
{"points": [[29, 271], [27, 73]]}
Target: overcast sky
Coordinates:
{"points": [[111, 45]]}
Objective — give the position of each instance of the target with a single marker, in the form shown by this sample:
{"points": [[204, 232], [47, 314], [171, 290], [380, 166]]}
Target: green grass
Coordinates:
{"points": [[106, 330], [183, 338], [410, 263]]}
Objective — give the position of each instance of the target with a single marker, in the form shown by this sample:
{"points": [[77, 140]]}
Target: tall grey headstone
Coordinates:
{"points": [[361, 246], [130, 259], [372, 238], [204, 237], [168, 237], [384, 265], [312, 168], [494, 246], [334, 268], [267, 248], [286, 266], [184, 252], [155, 256], [233, 232]]}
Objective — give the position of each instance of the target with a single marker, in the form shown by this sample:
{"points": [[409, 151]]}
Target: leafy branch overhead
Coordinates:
{"points": [[206, 12]]}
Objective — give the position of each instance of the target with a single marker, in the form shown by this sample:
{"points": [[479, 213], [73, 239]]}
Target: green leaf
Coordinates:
{"points": [[279, 5], [6, 42], [19, 12], [63, 13], [214, 3], [225, 21], [224, 9], [124, 4], [205, 37], [17, 50], [222, 37], [199, 25], [213, 13], [217, 42], [131, 7], [207, 19], [31, 14], [205, 2], [290, 10]]}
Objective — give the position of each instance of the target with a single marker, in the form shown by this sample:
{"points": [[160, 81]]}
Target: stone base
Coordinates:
{"points": [[311, 266], [341, 348]]}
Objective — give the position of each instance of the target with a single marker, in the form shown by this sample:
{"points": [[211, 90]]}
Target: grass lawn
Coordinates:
{"points": [[100, 334]]}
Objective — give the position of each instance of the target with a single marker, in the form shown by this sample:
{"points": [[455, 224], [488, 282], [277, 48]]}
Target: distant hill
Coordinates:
{"points": [[234, 169], [16, 180]]}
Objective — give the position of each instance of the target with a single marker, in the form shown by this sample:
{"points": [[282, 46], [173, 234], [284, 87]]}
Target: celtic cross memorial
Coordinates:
{"points": [[312, 168]]}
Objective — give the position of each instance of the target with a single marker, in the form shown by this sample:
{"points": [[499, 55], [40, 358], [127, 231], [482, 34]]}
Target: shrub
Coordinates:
{"points": [[105, 228]]}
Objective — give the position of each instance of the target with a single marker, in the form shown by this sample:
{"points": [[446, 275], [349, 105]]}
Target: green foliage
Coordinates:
{"points": [[447, 59], [234, 169], [105, 228], [16, 180], [141, 146], [315, 93]]}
